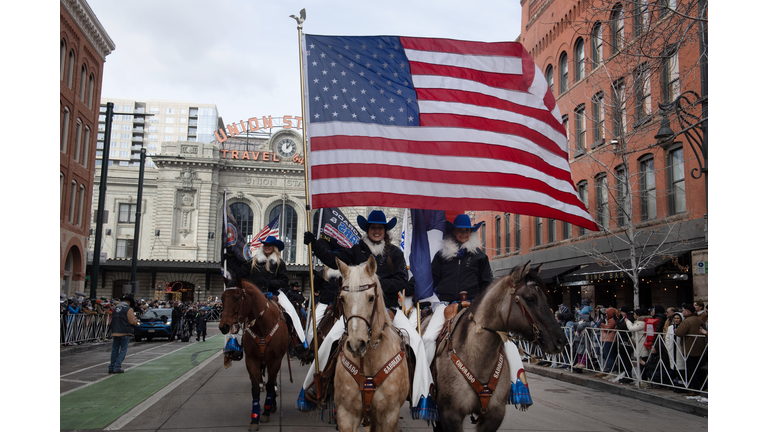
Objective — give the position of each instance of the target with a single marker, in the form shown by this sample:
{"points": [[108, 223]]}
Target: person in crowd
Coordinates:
{"points": [[569, 327], [581, 339], [674, 346], [608, 339], [699, 305], [625, 344], [269, 274], [693, 346], [201, 323], [123, 322], [670, 315], [393, 277], [176, 317]]}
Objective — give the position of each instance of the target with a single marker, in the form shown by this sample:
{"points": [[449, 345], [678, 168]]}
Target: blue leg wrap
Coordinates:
{"points": [[519, 394], [269, 404], [255, 412]]}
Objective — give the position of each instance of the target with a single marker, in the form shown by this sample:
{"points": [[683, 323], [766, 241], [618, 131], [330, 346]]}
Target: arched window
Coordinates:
{"points": [[90, 91], [72, 196], [70, 68], [80, 199], [597, 45], [86, 146], [617, 28], [244, 218], [64, 130], [81, 93], [78, 139], [579, 63], [550, 74], [289, 224], [62, 59], [563, 72]]}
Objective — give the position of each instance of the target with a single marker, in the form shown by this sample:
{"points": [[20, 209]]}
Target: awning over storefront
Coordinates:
{"points": [[554, 274], [596, 272]]}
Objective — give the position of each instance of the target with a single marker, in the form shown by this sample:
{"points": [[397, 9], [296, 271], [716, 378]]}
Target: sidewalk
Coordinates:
{"points": [[658, 396]]}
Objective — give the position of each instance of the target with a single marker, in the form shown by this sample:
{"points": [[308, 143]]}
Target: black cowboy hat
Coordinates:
{"points": [[271, 240], [462, 221], [376, 217]]}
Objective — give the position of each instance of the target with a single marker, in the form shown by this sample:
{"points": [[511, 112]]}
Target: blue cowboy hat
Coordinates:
{"points": [[271, 240], [462, 221], [376, 217]]}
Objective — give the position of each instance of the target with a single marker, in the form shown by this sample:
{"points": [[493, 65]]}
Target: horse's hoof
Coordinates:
{"points": [[253, 427], [273, 409], [264, 418]]}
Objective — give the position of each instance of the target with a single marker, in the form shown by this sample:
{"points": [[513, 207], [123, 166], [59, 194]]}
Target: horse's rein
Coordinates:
{"points": [[373, 311]]}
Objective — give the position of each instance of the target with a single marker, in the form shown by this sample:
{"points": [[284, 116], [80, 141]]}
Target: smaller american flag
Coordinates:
{"points": [[272, 229]]}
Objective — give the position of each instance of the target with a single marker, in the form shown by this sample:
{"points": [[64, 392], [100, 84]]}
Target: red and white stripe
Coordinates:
{"points": [[490, 137]]}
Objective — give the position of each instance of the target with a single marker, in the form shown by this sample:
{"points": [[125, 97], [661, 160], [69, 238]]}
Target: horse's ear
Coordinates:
{"points": [[537, 269], [342, 267], [519, 272], [370, 266]]}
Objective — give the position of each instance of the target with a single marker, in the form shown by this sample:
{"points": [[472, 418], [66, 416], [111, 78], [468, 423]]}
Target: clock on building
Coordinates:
{"points": [[286, 147]]}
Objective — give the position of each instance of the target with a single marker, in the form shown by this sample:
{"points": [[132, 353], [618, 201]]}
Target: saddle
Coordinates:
{"points": [[451, 311]]}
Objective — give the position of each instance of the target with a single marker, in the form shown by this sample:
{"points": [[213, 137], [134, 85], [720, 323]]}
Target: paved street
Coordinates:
{"points": [[171, 386]]}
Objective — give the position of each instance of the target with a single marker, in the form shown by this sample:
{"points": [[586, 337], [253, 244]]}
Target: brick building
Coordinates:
{"points": [[609, 65], [84, 46]]}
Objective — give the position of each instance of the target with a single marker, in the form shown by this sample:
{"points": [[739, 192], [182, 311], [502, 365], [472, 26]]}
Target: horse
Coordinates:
{"points": [[474, 349], [371, 381], [265, 340]]}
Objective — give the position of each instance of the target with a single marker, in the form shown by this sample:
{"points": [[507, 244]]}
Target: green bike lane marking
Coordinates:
{"points": [[100, 404]]}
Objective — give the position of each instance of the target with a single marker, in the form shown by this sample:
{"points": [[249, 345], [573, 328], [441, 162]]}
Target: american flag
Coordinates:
{"points": [[272, 229], [435, 124]]}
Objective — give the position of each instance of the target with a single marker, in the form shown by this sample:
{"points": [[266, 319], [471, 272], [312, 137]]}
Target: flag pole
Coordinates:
{"points": [[224, 249], [300, 22]]}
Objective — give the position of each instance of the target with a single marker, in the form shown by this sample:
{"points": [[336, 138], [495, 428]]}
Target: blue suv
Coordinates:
{"points": [[154, 323]]}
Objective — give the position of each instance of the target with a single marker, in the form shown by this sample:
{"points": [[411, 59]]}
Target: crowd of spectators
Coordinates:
{"points": [[628, 342]]}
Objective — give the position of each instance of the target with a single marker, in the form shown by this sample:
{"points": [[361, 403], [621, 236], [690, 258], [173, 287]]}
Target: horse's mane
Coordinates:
{"points": [[532, 276]]}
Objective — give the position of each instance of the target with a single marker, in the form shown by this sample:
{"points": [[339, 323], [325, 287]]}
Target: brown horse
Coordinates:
{"points": [[372, 381], [265, 340], [474, 351]]}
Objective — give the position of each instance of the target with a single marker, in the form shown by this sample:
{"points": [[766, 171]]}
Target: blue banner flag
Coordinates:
{"points": [[428, 229]]}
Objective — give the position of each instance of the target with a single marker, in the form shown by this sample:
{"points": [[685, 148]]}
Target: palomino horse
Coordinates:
{"points": [[265, 340], [371, 382], [474, 349]]}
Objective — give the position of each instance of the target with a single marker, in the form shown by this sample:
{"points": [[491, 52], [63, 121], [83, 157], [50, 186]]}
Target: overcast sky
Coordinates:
{"points": [[243, 55]]}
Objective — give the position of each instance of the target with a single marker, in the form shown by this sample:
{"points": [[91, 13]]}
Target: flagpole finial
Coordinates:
{"points": [[300, 19]]}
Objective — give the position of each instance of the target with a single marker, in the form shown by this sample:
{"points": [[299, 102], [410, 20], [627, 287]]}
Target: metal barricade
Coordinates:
{"points": [[84, 327], [666, 362]]}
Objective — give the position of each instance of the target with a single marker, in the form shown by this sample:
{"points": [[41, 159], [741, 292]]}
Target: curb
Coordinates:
{"points": [[587, 379]]}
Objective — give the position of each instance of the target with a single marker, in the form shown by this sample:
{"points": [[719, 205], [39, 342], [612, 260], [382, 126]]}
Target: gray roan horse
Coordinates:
{"points": [[515, 303], [371, 381]]}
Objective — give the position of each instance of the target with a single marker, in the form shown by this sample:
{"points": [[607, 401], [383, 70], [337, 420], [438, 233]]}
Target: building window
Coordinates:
{"points": [[667, 6], [78, 140], [82, 83], [676, 180], [517, 232], [124, 248], [647, 189], [72, 196], [563, 72], [552, 230], [482, 238], [506, 234], [70, 68], [619, 111], [86, 146], [670, 76], [154, 110], [169, 110], [601, 195], [642, 94], [289, 230], [640, 17], [126, 213], [550, 74], [244, 218], [617, 29], [581, 130], [64, 130], [62, 59], [170, 120], [622, 189], [598, 120], [80, 199], [537, 224], [566, 230], [498, 235], [61, 189], [584, 196], [597, 45], [579, 63], [169, 129], [567, 134]]}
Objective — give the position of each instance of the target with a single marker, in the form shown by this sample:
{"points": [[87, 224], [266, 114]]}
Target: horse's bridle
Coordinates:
{"points": [[240, 319], [373, 311], [528, 316]]}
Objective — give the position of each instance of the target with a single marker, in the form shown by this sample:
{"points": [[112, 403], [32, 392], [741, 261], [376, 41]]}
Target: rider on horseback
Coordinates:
{"points": [[461, 266], [393, 276]]}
